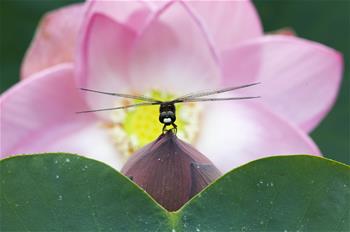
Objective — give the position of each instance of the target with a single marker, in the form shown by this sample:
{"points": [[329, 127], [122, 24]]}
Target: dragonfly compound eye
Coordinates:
{"points": [[162, 116], [170, 114]]}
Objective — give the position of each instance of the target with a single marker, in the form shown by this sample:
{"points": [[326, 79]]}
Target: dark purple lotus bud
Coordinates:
{"points": [[170, 170]]}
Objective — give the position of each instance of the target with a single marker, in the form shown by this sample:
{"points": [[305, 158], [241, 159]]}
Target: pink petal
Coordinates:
{"points": [[103, 59], [229, 22], [91, 140], [284, 31], [54, 41], [234, 133], [300, 79], [131, 13], [33, 106], [173, 53], [38, 115]]}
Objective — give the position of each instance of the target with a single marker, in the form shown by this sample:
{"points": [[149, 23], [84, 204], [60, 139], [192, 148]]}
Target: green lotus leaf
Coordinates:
{"points": [[65, 192]]}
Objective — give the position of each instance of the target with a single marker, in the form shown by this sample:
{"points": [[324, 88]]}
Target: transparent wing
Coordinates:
{"points": [[213, 99], [121, 107], [142, 98], [211, 92]]}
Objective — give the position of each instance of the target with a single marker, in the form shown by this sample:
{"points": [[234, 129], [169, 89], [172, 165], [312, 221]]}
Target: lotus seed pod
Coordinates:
{"points": [[170, 170]]}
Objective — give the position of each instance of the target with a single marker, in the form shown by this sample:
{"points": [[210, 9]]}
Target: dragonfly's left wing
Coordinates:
{"points": [[211, 92], [213, 99]]}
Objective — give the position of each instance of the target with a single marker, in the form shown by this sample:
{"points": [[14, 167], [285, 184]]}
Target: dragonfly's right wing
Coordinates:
{"points": [[137, 97], [121, 107]]}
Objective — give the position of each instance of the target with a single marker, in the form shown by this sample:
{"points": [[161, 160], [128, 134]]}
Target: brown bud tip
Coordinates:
{"points": [[170, 170]]}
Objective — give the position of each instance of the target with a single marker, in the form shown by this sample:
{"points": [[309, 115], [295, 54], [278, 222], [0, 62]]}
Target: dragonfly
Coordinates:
{"points": [[167, 109]]}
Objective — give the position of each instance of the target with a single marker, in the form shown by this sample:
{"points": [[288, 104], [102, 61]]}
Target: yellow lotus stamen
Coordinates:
{"points": [[133, 128]]}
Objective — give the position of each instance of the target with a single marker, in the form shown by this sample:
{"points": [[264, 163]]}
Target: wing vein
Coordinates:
{"points": [[120, 107], [143, 98], [212, 92]]}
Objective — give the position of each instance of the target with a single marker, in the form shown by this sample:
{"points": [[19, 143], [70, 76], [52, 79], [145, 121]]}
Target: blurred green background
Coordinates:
{"points": [[327, 22]]}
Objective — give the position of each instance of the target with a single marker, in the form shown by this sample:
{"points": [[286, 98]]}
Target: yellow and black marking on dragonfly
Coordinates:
{"points": [[167, 109]]}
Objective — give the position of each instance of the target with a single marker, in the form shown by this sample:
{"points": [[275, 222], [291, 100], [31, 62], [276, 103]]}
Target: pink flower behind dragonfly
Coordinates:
{"points": [[165, 50]]}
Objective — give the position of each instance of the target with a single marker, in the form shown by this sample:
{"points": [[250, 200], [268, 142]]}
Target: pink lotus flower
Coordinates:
{"points": [[164, 50]]}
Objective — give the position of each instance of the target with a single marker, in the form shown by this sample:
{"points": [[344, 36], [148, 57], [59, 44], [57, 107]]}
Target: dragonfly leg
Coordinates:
{"points": [[174, 128], [164, 129]]}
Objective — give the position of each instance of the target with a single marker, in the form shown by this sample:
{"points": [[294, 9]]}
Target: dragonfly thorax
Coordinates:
{"points": [[167, 113]]}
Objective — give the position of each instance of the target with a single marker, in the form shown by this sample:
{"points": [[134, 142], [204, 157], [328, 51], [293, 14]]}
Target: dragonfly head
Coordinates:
{"points": [[167, 113]]}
